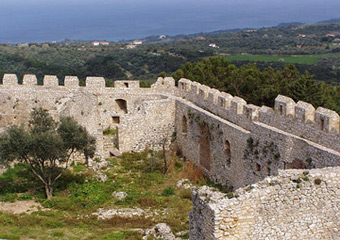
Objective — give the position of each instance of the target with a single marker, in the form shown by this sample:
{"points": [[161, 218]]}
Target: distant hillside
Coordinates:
{"points": [[290, 24], [334, 20]]}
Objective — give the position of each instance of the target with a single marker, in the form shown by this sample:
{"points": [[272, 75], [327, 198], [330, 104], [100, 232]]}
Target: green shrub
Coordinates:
{"points": [[6, 219], [25, 197], [298, 180], [8, 197], [317, 181], [169, 191], [277, 156], [185, 194], [90, 194], [58, 234], [309, 161], [109, 132], [64, 203], [230, 195], [78, 168]]}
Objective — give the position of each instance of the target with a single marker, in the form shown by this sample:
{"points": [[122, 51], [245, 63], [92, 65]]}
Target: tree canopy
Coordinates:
{"points": [[260, 87], [46, 146]]}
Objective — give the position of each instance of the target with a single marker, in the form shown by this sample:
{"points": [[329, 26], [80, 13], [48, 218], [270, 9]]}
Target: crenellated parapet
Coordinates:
{"points": [[165, 83], [300, 118], [70, 82]]}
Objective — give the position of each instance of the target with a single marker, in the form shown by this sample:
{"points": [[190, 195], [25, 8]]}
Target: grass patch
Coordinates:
{"points": [[78, 194], [299, 59], [109, 132]]}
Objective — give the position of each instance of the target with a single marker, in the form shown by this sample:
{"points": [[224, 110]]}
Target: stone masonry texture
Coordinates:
{"points": [[282, 162]]}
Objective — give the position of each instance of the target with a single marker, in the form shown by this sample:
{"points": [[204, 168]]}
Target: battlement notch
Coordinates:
{"points": [[126, 84], [167, 82]]}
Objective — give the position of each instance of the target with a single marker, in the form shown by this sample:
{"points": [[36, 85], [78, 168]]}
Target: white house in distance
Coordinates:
{"points": [[213, 45], [138, 42], [97, 43], [302, 36]]}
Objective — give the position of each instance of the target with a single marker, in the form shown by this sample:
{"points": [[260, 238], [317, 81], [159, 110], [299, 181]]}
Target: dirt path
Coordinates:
{"points": [[20, 207]]}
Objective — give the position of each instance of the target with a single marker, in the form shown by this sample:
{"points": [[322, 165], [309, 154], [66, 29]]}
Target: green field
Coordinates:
{"points": [[301, 59]]}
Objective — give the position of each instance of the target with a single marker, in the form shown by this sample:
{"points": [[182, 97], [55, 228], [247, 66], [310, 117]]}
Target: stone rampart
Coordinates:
{"points": [[320, 126], [235, 143], [295, 204], [264, 139], [142, 117]]}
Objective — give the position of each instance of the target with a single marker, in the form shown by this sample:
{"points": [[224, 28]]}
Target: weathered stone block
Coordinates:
{"points": [[10, 79], [224, 100], [213, 95], [29, 80], [305, 112], [251, 111], [195, 88], [284, 106], [237, 104], [203, 92], [327, 120], [184, 84], [71, 82], [50, 81], [95, 83]]}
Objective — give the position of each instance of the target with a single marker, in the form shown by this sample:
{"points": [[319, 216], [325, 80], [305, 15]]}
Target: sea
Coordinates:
{"points": [[112, 20]]}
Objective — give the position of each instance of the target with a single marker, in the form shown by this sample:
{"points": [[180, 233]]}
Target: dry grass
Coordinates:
{"points": [[192, 172]]}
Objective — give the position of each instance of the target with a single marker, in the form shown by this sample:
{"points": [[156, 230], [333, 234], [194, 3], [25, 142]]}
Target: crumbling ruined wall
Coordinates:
{"points": [[295, 204]]}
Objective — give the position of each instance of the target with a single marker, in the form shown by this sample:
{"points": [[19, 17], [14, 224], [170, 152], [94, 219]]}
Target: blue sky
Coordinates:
{"points": [[48, 20]]}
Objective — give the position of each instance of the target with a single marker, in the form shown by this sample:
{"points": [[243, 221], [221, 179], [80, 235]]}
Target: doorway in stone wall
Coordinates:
{"points": [[205, 152]]}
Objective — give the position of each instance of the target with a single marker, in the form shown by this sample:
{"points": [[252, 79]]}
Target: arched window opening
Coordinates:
{"points": [[184, 125], [122, 105], [227, 152], [205, 152]]}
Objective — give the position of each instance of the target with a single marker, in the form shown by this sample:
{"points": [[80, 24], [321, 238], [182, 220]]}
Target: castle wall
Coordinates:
{"points": [[220, 130], [142, 117], [296, 204], [234, 143], [257, 137]]}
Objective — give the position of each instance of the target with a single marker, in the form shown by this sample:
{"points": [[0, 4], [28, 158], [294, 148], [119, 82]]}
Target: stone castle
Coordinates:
{"points": [[282, 161]]}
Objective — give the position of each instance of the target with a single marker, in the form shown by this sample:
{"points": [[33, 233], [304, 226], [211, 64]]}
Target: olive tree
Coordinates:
{"points": [[46, 146]]}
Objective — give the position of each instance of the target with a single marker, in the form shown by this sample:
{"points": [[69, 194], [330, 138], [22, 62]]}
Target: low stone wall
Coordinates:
{"points": [[296, 204]]}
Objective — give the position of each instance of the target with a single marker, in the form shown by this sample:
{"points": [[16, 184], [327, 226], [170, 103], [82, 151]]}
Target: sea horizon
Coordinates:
{"points": [[38, 22]]}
